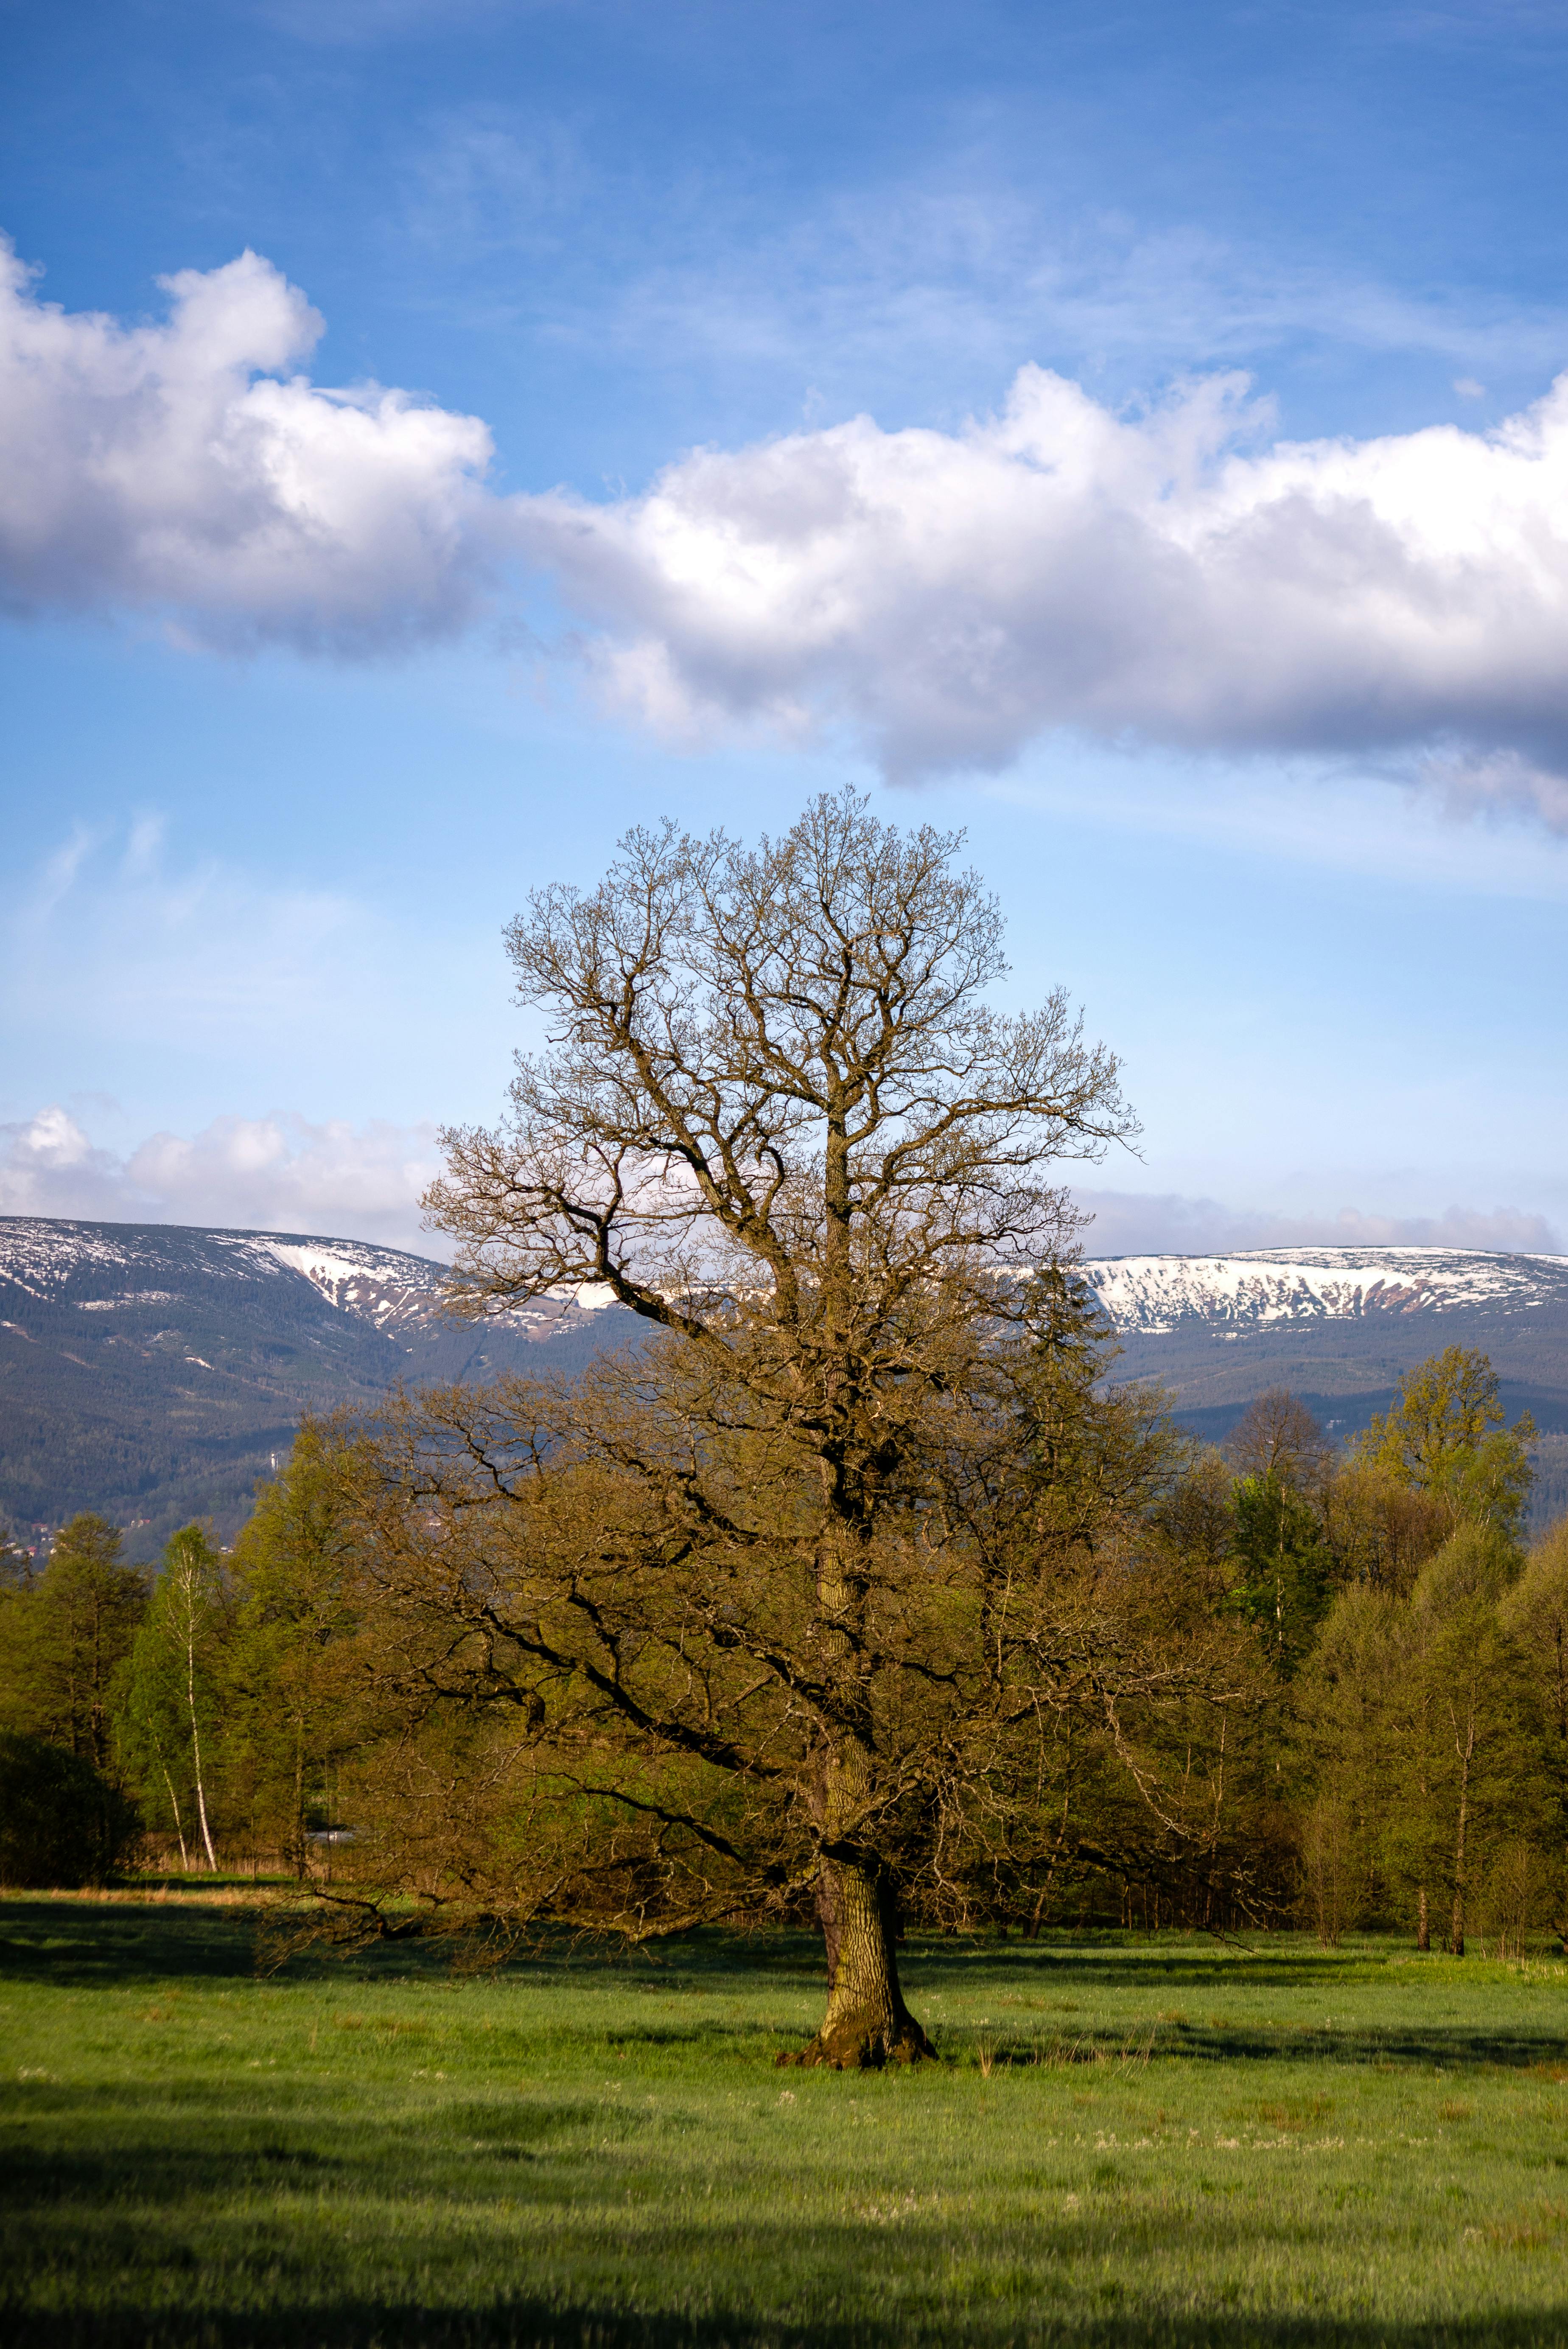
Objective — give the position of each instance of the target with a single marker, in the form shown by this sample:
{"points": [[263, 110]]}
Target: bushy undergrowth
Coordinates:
{"points": [[1124, 2139]]}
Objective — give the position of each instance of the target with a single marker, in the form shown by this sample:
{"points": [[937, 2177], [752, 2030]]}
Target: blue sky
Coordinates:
{"points": [[784, 396]]}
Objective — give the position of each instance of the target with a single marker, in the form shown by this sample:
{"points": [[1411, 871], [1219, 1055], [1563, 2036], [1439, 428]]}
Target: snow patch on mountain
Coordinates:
{"points": [[379, 1285], [1151, 1296], [103, 1268]]}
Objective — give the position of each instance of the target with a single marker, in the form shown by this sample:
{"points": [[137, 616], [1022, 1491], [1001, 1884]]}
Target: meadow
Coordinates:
{"points": [[1148, 2138]]}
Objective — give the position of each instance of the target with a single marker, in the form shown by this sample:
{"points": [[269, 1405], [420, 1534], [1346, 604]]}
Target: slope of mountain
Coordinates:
{"points": [[1340, 1327], [1155, 1296], [154, 1370]]}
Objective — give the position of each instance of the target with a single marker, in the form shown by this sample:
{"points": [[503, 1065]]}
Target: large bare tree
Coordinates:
{"points": [[770, 1603]]}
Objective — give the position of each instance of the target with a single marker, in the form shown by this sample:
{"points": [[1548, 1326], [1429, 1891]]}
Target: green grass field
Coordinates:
{"points": [[1125, 2139]]}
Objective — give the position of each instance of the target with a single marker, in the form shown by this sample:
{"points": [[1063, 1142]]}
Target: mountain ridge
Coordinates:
{"points": [[1151, 1295], [154, 1370]]}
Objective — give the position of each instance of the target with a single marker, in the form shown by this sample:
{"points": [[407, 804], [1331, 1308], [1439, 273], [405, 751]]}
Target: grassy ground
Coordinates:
{"points": [[1126, 2140]]}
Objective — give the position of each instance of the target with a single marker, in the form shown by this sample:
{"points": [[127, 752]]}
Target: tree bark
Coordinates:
{"points": [[178, 1826], [1423, 1922], [1466, 1753], [301, 1847], [828, 1917], [195, 1733], [867, 2023]]}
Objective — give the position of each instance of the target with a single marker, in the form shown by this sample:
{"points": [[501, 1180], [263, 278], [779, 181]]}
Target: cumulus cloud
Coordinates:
{"points": [[267, 1174], [1166, 576], [181, 467], [1158, 577], [1131, 1223]]}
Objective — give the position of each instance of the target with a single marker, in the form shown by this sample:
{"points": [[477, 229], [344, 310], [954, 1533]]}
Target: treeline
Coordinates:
{"points": [[1291, 1683], [200, 1693]]}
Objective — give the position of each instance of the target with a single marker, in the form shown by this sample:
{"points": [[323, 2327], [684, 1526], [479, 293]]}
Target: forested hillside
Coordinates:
{"points": [[152, 1373]]}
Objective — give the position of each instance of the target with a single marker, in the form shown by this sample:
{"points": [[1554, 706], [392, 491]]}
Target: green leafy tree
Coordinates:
{"points": [[61, 1821], [288, 1716], [1347, 1741], [1446, 1437], [68, 1637], [1379, 1530], [1468, 1770], [1535, 1614], [1285, 1568]]}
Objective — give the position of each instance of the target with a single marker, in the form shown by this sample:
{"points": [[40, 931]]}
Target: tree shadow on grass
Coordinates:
{"points": [[1087, 1964], [530, 2324], [1435, 2048], [73, 1945], [81, 1941], [79, 1945]]}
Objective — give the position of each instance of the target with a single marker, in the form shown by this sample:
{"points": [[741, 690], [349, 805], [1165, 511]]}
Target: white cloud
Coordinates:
{"points": [[948, 596], [278, 1172], [181, 468], [1131, 1223], [1163, 576]]}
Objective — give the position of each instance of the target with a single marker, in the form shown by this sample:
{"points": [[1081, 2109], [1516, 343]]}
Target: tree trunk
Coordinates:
{"points": [[828, 1917], [196, 1738], [867, 2023], [1466, 1753], [1423, 1922], [297, 1838], [179, 1828]]}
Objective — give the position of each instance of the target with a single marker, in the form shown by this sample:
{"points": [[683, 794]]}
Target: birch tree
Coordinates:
{"points": [[169, 1727]]}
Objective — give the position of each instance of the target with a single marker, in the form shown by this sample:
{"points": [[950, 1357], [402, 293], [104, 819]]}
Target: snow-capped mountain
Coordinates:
{"points": [[102, 1267], [1152, 1296], [99, 1267], [153, 1370], [1340, 1327]]}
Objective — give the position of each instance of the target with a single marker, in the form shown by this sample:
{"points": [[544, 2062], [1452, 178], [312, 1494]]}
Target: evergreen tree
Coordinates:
{"points": [[1284, 1566], [66, 1637]]}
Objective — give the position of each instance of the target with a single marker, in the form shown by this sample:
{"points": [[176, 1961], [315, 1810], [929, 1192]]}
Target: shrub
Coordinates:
{"points": [[60, 1821]]}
